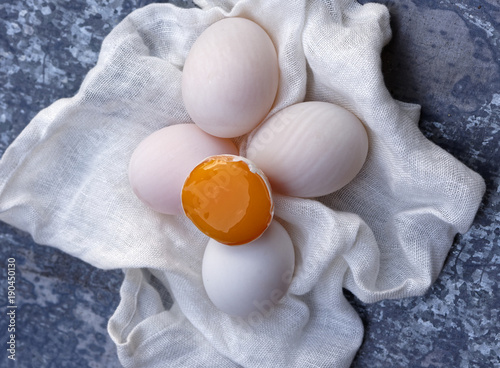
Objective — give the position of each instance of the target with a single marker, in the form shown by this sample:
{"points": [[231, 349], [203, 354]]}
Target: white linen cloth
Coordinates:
{"points": [[385, 235]]}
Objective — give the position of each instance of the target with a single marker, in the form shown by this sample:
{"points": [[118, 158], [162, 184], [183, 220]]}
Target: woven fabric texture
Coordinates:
{"points": [[385, 235]]}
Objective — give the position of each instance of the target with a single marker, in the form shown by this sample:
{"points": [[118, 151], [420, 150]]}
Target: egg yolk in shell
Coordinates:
{"points": [[228, 199]]}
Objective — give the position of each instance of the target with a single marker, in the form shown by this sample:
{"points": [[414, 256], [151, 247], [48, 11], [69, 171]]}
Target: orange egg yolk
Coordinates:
{"points": [[227, 200]]}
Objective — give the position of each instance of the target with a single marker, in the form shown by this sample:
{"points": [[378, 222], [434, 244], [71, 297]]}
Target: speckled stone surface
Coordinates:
{"points": [[444, 56]]}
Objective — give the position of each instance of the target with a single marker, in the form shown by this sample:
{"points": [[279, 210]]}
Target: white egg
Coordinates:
{"points": [[230, 77], [309, 149], [249, 278], [162, 161]]}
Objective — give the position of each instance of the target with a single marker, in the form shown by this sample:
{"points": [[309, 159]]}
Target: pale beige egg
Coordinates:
{"points": [[230, 77], [162, 161], [249, 278], [309, 149]]}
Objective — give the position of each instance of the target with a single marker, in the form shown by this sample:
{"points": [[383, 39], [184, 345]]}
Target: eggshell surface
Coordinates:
{"points": [[249, 278], [309, 149], [162, 161], [230, 77]]}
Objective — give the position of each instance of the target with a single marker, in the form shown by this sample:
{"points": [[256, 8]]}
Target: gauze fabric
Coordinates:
{"points": [[385, 235]]}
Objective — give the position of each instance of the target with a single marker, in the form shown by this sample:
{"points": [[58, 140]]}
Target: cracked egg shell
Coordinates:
{"points": [[228, 199]]}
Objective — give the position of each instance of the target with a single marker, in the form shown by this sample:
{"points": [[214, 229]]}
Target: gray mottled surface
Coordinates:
{"points": [[444, 56]]}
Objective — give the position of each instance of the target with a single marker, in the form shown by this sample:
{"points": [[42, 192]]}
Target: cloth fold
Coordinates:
{"points": [[385, 235]]}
